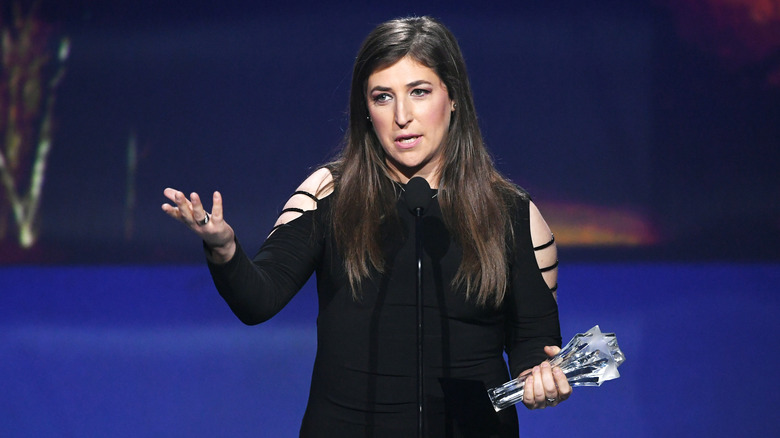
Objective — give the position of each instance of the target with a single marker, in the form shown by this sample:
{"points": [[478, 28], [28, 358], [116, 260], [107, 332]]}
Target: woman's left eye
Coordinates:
{"points": [[419, 92]]}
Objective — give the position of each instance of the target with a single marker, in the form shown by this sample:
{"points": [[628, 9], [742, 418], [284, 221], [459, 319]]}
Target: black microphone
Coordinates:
{"points": [[417, 194], [418, 198]]}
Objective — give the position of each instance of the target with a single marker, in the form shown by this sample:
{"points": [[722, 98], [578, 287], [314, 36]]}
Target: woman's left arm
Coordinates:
{"points": [[533, 326]]}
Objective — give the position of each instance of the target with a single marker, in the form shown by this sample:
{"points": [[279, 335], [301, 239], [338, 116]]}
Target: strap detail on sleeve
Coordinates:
{"points": [[549, 268], [545, 245], [301, 192], [295, 209]]}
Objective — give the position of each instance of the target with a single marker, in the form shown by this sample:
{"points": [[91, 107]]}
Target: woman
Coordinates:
{"points": [[490, 260]]}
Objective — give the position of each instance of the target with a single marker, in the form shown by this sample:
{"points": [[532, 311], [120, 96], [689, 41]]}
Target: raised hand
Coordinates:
{"points": [[211, 227]]}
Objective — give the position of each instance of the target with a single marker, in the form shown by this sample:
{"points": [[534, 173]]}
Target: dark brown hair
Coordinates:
{"points": [[473, 196]]}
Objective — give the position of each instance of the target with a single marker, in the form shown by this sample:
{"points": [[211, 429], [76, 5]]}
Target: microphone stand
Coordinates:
{"points": [[418, 232], [418, 197]]}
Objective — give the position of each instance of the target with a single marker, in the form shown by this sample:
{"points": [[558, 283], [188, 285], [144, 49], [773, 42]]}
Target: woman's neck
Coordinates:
{"points": [[403, 178]]}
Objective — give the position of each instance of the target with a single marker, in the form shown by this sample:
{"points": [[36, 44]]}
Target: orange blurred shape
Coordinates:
{"points": [[591, 225]]}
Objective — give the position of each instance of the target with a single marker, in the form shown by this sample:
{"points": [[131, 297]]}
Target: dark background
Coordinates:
{"points": [[636, 128], [647, 132]]}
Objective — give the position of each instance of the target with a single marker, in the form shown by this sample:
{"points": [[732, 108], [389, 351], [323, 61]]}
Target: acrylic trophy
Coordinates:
{"points": [[589, 359]]}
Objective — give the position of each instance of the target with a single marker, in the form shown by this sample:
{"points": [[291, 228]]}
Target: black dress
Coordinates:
{"points": [[364, 382]]}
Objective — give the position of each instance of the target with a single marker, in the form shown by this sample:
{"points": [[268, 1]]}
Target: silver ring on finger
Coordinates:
{"points": [[205, 220], [550, 401]]}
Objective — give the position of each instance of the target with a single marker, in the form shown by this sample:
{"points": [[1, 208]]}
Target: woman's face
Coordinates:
{"points": [[410, 110]]}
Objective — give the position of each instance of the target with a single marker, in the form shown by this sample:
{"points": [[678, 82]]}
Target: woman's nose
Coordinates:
{"points": [[403, 113]]}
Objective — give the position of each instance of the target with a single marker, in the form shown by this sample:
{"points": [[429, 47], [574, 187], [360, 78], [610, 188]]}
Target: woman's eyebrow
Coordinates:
{"points": [[381, 88], [416, 83], [409, 85]]}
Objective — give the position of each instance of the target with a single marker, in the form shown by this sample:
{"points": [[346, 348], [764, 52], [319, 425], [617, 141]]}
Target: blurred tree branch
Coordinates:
{"points": [[29, 77]]}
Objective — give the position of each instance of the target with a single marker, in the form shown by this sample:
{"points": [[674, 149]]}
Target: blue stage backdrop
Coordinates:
{"points": [[153, 351], [647, 133]]}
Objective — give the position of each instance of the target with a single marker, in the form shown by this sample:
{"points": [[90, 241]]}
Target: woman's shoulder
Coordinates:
{"points": [[522, 204], [307, 197], [513, 195], [319, 184], [524, 210]]}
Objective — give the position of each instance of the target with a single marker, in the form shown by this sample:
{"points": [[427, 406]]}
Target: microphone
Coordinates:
{"points": [[417, 194], [418, 198]]}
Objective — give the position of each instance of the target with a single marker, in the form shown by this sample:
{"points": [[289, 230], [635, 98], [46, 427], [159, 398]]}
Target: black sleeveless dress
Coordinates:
{"points": [[364, 382]]}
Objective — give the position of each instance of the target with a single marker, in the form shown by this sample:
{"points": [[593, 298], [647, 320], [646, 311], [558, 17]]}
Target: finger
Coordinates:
{"points": [[199, 214], [216, 206], [564, 389], [185, 207], [552, 350], [548, 383], [196, 204], [181, 200], [539, 396], [171, 211], [170, 193], [181, 210], [528, 392]]}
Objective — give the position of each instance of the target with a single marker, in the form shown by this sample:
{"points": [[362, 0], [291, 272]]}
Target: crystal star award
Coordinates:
{"points": [[589, 359]]}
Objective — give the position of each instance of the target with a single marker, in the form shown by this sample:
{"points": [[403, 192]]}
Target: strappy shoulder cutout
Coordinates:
{"points": [[305, 198], [301, 192], [549, 268], [546, 245], [545, 249]]}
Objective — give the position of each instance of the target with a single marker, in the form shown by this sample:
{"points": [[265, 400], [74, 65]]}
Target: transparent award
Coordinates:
{"points": [[589, 359]]}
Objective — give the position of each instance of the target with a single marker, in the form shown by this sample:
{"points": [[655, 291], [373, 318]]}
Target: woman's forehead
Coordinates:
{"points": [[405, 69]]}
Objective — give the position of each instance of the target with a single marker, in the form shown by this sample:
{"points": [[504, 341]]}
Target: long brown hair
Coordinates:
{"points": [[474, 197]]}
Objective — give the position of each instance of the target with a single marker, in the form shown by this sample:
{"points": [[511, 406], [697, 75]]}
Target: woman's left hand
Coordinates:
{"points": [[546, 386]]}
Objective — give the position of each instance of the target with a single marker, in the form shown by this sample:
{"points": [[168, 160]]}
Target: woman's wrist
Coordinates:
{"points": [[221, 254]]}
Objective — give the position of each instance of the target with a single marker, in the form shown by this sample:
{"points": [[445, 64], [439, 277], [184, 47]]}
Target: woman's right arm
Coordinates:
{"points": [[256, 289]]}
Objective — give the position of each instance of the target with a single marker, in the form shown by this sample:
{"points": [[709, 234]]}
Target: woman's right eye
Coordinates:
{"points": [[381, 97]]}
